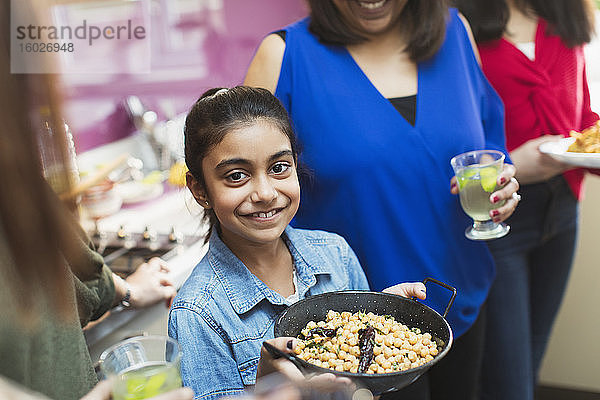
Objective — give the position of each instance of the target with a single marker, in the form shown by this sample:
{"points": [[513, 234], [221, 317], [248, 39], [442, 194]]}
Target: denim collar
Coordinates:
{"points": [[244, 290]]}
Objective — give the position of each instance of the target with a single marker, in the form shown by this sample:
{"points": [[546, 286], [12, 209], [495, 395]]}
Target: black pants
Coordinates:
{"points": [[457, 375], [532, 270]]}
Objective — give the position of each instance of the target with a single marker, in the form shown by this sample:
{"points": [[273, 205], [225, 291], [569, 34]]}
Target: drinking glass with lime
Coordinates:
{"points": [[142, 367], [477, 173]]}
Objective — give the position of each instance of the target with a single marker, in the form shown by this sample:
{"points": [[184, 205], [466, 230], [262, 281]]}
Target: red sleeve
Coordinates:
{"points": [[588, 117]]}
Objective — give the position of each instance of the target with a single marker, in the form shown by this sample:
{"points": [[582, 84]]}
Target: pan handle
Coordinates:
{"points": [[446, 286]]}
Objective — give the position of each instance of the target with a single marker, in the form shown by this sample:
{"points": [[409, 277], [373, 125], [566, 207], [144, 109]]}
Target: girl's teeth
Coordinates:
{"points": [[265, 215], [371, 6]]}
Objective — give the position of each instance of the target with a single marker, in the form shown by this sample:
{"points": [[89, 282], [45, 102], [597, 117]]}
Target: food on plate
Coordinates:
{"points": [[586, 141], [365, 343]]}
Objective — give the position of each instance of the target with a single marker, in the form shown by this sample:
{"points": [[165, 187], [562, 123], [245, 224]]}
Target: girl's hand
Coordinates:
{"points": [[506, 179], [408, 289], [533, 165], [267, 364]]}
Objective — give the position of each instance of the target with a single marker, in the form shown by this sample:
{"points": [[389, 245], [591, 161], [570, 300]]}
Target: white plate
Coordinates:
{"points": [[558, 151]]}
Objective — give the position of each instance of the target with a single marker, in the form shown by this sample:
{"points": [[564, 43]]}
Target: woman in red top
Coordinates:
{"points": [[531, 51]]}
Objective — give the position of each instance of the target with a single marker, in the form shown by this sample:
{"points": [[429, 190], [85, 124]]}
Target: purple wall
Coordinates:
{"points": [[195, 45]]}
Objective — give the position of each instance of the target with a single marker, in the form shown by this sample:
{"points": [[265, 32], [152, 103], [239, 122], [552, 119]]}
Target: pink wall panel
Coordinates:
{"points": [[195, 45]]}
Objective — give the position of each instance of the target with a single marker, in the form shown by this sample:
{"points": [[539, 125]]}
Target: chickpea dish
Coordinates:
{"points": [[365, 343]]}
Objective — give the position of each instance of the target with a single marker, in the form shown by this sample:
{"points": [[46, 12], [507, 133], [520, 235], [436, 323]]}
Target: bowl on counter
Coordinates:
{"points": [[101, 200]]}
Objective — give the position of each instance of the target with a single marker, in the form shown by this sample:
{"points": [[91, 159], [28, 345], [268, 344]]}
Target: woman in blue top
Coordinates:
{"points": [[241, 153], [382, 95]]}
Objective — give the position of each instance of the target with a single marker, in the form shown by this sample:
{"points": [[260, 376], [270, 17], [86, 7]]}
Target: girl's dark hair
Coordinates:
{"points": [[219, 111], [422, 22], [571, 20]]}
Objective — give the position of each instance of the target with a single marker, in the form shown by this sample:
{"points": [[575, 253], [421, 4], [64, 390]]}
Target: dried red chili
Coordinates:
{"points": [[366, 343], [325, 332]]}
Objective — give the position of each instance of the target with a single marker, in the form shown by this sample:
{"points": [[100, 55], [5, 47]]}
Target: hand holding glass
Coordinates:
{"points": [[476, 173], [143, 367]]}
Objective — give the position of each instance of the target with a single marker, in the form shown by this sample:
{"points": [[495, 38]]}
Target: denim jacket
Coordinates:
{"points": [[223, 312]]}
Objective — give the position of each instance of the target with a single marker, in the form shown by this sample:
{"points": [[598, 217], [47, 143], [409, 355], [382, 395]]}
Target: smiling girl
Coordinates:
{"points": [[242, 158]]}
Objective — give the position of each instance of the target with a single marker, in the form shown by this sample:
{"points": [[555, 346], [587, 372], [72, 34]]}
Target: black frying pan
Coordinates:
{"points": [[408, 311]]}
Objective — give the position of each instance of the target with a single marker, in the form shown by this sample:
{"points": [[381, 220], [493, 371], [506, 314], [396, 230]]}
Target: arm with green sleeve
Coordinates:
{"points": [[98, 289]]}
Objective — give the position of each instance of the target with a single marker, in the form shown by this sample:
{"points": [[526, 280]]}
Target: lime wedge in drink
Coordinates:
{"points": [[488, 178], [464, 177], [154, 384], [135, 387], [146, 382]]}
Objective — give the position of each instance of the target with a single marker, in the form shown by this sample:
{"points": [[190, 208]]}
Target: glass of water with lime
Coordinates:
{"points": [[142, 367], [477, 172]]}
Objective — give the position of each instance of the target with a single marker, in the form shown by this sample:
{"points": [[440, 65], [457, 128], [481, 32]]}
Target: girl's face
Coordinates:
{"points": [[251, 184], [370, 17]]}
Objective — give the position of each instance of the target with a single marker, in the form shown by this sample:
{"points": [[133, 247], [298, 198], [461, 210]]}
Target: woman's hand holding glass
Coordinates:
{"points": [[487, 191], [103, 391], [508, 191]]}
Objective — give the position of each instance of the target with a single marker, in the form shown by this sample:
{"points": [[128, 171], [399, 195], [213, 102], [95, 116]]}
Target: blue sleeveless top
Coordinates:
{"points": [[384, 184]]}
